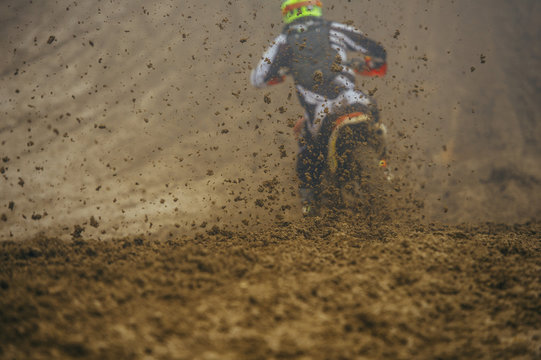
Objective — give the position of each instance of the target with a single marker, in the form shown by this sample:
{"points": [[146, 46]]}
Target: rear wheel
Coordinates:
{"points": [[360, 182]]}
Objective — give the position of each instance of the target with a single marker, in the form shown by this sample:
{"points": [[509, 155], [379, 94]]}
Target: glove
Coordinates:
{"points": [[276, 80], [370, 66], [282, 73], [374, 63]]}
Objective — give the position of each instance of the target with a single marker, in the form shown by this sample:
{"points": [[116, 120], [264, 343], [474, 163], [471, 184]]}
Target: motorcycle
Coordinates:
{"points": [[357, 176]]}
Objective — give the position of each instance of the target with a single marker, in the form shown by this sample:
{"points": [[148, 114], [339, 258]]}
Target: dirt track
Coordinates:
{"points": [[141, 115], [148, 204], [315, 289]]}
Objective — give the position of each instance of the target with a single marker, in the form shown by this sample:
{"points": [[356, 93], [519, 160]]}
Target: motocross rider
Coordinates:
{"points": [[314, 52]]}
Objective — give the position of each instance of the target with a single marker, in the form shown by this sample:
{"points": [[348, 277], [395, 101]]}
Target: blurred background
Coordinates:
{"points": [[130, 117]]}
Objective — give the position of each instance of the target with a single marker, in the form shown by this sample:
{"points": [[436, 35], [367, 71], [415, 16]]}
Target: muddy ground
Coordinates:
{"points": [[148, 198], [321, 288]]}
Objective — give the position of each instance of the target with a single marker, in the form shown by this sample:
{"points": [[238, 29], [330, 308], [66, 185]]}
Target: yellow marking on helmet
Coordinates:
{"points": [[295, 9]]}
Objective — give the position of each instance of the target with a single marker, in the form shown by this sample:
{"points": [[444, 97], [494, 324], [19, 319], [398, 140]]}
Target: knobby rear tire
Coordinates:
{"points": [[359, 185]]}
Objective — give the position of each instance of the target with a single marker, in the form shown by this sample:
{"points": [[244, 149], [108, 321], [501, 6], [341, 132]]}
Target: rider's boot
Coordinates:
{"points": [[308, 201], [386, 170]]}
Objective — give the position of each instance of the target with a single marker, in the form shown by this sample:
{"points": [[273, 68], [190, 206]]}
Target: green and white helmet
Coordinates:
{"points": [[295, 9]]}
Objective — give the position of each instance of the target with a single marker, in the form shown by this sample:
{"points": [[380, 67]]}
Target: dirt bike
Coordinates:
{"points": [[356, 174]]}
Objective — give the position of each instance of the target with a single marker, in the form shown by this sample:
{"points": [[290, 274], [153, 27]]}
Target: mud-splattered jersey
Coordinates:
{"points": [[314, 52]]}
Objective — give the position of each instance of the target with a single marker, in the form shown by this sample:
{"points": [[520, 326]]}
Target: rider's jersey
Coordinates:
{"points": [[314, 52]]}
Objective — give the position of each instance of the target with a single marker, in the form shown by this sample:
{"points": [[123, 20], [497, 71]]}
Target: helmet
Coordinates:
{"points": [[294, 9]]}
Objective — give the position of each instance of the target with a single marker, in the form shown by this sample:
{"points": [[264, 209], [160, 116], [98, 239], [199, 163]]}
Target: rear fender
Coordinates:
{"points": [[346, 120]]}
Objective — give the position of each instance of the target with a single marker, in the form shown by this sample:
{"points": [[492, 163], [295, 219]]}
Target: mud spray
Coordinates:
{"points": [[148, 197]]}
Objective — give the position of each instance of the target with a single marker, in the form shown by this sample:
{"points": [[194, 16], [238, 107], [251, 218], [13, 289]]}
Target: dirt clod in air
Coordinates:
{"points": [[77, 231], [93, 222]]}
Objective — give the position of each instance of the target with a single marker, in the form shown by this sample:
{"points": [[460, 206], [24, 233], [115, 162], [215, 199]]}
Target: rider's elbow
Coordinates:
{"points": [[257, 80]]}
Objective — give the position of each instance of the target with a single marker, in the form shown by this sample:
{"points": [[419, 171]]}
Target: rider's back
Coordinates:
{"points": [[313, 62]]}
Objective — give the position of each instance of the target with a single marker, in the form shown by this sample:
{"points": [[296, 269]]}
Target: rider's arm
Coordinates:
{"points": [[353, 40], [267, 71]]}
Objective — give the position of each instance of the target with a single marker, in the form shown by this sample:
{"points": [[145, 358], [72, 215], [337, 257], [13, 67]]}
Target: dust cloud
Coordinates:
{"points": [[140, 116]]}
